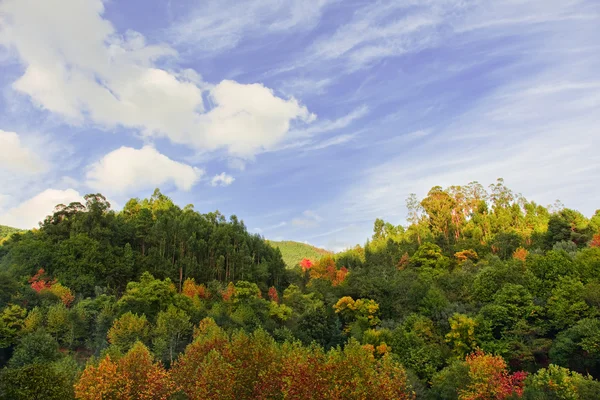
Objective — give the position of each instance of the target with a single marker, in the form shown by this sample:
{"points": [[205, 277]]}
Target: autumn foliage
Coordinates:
{"points": [[273, 296], [490, 380], [40, 283], [326, 269], [465, 255], [306, 264], [135, 376], [228, 293], [254, 366], [595, 240], [520, 254], [191, 289]]}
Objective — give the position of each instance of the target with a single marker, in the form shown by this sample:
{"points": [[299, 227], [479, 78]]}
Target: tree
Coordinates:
{"points": [[127, 330], [172, 326], [447, 383], [149, 296], [12, 321], [506, 244], [419, 346], [34, 382], [135, 376], [415, 215], [489, 379], [578, 347], [462, 334], [360, 314], [35, 348], [595, 242], [566, 304], [429, 255], [439, 205], [557, 382]]}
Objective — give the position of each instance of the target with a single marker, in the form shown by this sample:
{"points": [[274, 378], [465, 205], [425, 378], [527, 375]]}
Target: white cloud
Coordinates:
{"points": [[309, 219], [126, 170], [30, 212], [222, 179], [218, 25], [247, 119], [16, 157], [79, 67]]}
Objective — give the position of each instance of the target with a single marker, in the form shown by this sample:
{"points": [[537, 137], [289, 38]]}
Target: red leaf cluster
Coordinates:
{"points": [[40, 282], [595, 240], [273, 294], [306, 264], [490, 379]]}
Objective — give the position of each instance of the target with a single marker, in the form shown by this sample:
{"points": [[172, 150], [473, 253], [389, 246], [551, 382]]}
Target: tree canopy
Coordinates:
{"points": [[482, 295]]}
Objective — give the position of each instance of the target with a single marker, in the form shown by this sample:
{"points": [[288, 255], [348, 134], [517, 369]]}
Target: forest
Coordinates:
{"points": [[483, 294]]}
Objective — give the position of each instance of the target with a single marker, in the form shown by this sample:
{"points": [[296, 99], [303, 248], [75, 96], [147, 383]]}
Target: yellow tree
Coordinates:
{"points": [[462, 334]]}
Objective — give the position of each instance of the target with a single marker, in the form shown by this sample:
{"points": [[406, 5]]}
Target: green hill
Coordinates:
{"points": [[293, 252], [6, 231]]}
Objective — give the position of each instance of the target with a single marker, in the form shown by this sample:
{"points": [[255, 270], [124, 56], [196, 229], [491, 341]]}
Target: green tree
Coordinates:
{"points": [[35, 348], [128, 329], [12, 321], [566, 304], [172, 327], [557, 383], [35, 382]]}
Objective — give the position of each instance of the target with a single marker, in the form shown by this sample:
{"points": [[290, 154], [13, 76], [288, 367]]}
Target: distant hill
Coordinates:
{"points": [[294, 252], [6, 231]]}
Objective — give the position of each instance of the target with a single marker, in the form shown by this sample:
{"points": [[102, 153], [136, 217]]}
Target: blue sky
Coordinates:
{"points": [[308, 120]]}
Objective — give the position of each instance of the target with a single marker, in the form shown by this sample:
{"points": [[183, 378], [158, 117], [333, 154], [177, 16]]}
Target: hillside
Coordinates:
{"points": [[293, 252], [6, 231]]}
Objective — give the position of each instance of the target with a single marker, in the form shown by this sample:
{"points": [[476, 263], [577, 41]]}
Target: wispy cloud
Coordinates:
{"points": [[529, 140], [384, 29], [332, 125], [537, 123], [333, 141], [217, 25]]}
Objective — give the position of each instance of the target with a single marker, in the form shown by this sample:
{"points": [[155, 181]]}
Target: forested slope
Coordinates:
{"points": [[6, 231], [294, 252], [484, 295]]}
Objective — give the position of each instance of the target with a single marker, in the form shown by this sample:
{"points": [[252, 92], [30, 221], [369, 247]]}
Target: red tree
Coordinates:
{"points": [[39, 281], [273, 294], [306, 264], [595, 240]]}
